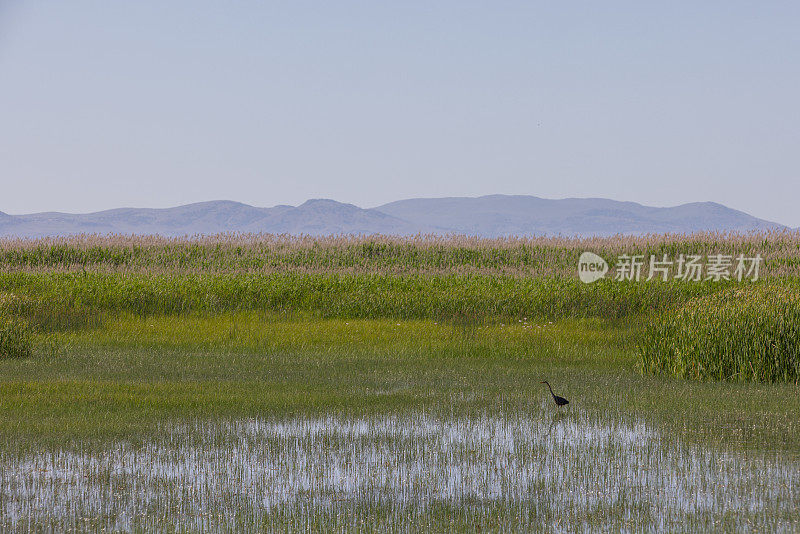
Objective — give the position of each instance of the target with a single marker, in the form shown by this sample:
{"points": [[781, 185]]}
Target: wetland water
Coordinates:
{"points": [[546, 470]]}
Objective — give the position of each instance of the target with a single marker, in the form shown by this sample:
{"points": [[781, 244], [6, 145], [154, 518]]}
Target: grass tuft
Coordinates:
{"points": [[15, 339]]}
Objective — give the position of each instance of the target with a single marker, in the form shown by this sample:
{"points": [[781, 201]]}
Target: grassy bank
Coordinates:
{"points": [[123, 378]]}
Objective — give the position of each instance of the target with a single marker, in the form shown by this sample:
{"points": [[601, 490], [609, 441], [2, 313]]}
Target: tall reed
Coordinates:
{"points": [[740, 334], [265, 253]]}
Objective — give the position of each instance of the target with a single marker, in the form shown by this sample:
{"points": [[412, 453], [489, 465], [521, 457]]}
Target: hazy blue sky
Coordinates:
{"points": [[106, 104]]}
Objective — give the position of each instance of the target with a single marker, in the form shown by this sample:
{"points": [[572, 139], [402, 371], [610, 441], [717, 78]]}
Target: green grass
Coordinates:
{"points": [[15, 338], [123, 378], [77, 297]]}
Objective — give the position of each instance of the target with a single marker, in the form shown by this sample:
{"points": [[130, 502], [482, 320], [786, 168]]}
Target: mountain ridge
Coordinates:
{"points": [[486, 216]]}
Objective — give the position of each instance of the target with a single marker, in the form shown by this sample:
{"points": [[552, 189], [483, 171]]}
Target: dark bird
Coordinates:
{"points": [[560, 401]]}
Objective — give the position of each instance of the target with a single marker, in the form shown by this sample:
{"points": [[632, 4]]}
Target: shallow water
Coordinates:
{"points": [[556, 471]]}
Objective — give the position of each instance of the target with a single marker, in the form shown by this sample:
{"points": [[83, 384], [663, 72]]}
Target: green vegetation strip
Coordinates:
{"points": [[529, 257], [124, 378], [57, 298]]}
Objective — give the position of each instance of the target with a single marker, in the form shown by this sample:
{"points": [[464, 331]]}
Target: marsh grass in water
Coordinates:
{"points": [[534, 470], [251, 421]]}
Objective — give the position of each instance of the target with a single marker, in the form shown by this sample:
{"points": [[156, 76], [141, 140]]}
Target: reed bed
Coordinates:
{"points": [[423, 254], [72, 283], [741, 334]]}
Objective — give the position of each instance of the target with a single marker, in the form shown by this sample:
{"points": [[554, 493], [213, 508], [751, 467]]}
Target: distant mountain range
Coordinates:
{"points": [[487, 216]]}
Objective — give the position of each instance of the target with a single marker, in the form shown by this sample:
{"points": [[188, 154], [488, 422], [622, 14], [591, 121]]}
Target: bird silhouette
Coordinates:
{"points": [[560, 401]]}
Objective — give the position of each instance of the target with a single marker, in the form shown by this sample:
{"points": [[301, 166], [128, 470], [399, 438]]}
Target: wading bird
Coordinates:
{"points": [[560, 401]]}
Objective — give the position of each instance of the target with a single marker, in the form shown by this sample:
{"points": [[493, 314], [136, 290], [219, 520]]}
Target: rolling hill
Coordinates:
{"points": [[487, 216]]}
